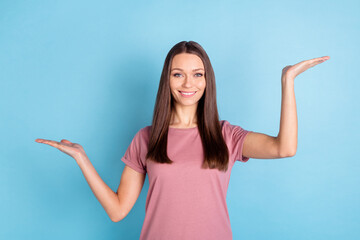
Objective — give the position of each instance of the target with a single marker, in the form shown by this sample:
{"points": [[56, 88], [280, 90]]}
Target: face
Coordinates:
{"points": [[187, 79]]}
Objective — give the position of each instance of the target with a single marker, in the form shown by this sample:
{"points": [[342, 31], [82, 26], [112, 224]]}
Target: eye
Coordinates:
{"points": [[200, 74], [175, 74]]}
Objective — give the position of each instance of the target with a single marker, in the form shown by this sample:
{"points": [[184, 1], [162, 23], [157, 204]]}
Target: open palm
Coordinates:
{"points": [[291, 71], [72, 149]]}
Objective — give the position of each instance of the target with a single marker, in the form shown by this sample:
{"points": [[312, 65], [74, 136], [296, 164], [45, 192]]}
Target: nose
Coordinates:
{"points": [[187, 82]]}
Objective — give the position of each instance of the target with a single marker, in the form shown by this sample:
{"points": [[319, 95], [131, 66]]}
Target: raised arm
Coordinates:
{"points": [[117, 205], [259, 145]]}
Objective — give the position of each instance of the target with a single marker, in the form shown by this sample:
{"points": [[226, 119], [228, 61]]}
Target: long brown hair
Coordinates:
{"points": [[216, 153]]}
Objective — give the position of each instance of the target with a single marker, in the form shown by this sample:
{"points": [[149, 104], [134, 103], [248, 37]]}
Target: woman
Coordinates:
{"points": [[187, 152]]}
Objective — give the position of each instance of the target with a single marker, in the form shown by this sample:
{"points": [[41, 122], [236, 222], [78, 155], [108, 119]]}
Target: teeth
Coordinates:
{"points": [[188, 93]]}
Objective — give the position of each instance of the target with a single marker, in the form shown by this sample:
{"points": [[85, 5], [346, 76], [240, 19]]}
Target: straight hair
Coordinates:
{"points": [[216, 153]]}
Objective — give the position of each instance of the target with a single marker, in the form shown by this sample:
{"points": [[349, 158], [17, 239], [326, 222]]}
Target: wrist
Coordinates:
{"points": [[81, 159], [287, 80]]}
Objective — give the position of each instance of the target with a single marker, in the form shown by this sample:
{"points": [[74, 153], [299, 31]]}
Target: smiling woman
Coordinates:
{"points": [[187, 152], [187, 84], [186, 98]]}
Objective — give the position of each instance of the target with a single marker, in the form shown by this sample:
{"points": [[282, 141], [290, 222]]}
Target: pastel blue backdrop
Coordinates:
{"points": [[88, 71]]}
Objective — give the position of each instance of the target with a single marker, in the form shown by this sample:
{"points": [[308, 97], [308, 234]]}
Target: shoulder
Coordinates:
{"points": [[226, 126], [224, 123], [225, 129], [229, 129], [145, 130], [144, 133], [141, 138]]}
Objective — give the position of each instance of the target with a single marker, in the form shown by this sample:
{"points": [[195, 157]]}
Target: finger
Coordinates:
{"points": [[315, 60], [312, 62], [320, 59], [326, 57], [49, 142], [323, 59], [66, 141]]}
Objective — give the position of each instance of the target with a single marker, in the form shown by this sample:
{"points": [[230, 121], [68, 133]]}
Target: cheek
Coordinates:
{"points": [[202, 84], [172, 85]]}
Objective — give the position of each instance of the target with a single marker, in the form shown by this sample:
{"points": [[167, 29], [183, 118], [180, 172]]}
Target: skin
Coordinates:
{"points": [[262, 146], [256, 145], [187, 74]]}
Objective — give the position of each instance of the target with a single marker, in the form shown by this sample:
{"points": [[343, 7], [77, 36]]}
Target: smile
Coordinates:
{"points": [[187, 94]]}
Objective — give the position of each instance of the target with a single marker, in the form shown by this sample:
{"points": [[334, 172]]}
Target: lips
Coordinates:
{"points": [[187, 93]]}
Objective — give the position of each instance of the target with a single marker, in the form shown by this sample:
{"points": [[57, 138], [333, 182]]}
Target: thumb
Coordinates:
{"points": [[66, 141]]}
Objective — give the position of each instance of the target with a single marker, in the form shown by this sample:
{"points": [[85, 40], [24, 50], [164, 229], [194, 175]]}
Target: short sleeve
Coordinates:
{"points": [[235, 136], [239, 135], [132, 156]]}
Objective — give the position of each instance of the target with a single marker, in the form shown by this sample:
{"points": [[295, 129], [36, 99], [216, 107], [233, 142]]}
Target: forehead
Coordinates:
{"points": [[187, 61]]}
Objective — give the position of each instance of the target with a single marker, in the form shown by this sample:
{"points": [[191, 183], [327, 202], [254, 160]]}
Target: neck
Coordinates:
{"points": [[184, 116]]}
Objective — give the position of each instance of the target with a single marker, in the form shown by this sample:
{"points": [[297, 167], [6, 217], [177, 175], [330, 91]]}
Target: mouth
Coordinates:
{"points": [[187, 94]]}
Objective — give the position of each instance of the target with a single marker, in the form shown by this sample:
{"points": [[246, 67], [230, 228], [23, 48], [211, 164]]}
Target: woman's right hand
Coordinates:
{"points": [[72, 149]]}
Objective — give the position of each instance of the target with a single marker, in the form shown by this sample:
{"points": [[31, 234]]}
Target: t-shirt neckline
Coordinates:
{"points": [[183, 129]]}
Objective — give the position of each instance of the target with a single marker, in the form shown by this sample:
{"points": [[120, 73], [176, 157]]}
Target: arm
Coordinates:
{"points": [[107, 198], [117, 205], [287, 137], [262, 146], [129, 189], [258, 145]]}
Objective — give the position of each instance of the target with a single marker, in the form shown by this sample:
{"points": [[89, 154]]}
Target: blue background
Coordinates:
{"points": [[88, 71]]}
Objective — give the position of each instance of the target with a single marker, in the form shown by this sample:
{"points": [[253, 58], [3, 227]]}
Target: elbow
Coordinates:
{"points": [[291, 154], [287, 150], [117, 218], [288, 154]]}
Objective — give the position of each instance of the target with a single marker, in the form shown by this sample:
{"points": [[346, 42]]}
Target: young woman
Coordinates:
{"points": [[187, 152]]}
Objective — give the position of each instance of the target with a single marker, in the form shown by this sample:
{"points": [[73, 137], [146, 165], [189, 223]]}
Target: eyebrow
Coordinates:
{"points": [[182, 69]]}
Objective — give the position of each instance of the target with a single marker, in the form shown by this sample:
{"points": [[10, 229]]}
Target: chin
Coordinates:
{"points": [[187, 103]]}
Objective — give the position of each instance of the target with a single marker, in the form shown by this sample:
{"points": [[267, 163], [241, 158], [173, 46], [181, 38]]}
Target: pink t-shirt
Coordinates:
{"points": [[185, 201]]}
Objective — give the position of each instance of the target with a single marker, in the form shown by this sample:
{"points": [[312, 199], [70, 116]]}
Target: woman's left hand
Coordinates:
{"points": [[291, 71]]}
